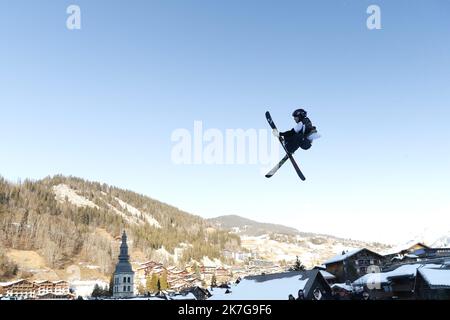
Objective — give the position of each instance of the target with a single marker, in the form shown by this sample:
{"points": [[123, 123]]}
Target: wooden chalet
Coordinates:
{"points": [[432, 284], [342, 291], [353, 264], [409, 252]]}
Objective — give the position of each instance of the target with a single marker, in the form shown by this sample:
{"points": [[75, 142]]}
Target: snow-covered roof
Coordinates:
{"points": [[407, 270], [327, 275], [400, 257], [49, 281], [143, 298], [342, 286], [436, 277], [342, 257], [402, 247], [5, 284], [189, 296], [269, 287]]}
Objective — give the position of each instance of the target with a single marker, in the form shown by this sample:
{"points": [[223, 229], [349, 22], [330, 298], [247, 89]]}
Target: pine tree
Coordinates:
{"points": [[97, 292], [298, 266]]}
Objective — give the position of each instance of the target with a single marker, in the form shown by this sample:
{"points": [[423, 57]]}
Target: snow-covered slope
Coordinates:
{"points": [[63, 192], [434, 237], [139, 214], [312, 250]]}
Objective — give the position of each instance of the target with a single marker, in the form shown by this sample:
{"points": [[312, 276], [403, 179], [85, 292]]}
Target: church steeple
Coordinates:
{"points": [[123, 256], [124, 259], [124, 274]]}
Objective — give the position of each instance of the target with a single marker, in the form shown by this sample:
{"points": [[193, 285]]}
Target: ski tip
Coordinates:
{"points": [[268, 175]]}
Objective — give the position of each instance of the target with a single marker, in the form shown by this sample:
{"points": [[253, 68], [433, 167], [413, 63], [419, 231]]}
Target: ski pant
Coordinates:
{"points": [[292, 143]]}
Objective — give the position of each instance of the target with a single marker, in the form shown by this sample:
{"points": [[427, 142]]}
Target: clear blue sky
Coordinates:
{"points": [[101, 103]]}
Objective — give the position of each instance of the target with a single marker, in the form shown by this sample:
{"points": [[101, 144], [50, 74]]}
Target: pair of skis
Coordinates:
{"points": [[286, 157]]}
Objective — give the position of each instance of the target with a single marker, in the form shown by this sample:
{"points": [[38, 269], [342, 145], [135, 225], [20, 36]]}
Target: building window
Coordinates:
{"points": [[124, 288], [124, 279], [129, 289], [129, 279], [363, 262]]}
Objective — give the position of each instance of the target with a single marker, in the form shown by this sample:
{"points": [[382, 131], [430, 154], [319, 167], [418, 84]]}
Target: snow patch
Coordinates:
{"points": [[138, 214], [63, 191], [207, 262]]}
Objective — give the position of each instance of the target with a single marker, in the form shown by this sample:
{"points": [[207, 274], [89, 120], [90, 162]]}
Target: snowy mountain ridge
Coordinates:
{"points": [[434, 237]]}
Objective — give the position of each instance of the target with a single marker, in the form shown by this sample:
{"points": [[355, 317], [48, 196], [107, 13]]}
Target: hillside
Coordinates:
{"points": [[243, 226], [277, 242], [59, 225], [52, 224]]}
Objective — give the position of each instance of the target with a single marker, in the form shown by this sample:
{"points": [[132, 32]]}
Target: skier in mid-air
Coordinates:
{"points": [[301, 136]]}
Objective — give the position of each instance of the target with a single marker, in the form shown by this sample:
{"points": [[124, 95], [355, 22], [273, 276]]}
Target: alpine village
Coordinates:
{"points": [[67, 238]]}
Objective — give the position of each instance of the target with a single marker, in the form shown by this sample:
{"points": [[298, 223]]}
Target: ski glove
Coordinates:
{"points": [[276, 133]]}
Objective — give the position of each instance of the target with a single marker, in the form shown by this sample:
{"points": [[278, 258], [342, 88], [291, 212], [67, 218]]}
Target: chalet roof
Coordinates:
{"points": [[188, 296], [143, 298], [407, 270], [276, 286], [348, 254], [344, 286], [6, 284], [404, 247], [321, 267], [327, 275], [436, 278], [342, 257], [50, 281], [151, 263]]}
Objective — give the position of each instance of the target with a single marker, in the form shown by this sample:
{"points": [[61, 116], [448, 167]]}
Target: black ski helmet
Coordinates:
{"points": [[299, 113]]}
